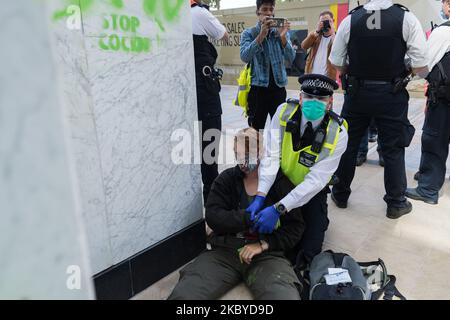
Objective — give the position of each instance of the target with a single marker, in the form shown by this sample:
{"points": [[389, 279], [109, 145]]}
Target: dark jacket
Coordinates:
{"points": [[227, 201]]}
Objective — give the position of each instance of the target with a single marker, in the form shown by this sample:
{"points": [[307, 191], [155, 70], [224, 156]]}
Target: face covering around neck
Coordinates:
{"points": [[313, 109]]}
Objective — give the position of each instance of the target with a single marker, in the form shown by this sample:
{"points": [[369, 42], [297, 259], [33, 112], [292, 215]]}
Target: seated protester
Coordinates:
{"points": [[237, 252]]}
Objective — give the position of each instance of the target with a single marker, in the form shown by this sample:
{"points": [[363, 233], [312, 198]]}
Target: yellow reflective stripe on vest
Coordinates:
{"points": [[244, 82], [331, 140], [286, 114]]}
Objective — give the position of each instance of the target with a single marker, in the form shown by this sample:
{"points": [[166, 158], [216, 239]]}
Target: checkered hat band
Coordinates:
{"points": [[316, 83]]}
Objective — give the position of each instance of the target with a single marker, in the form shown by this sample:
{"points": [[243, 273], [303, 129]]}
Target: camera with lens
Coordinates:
{"points": [[326, 27]]}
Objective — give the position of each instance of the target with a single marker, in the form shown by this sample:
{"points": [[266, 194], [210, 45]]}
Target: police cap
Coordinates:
{"points": [[318, 85]]}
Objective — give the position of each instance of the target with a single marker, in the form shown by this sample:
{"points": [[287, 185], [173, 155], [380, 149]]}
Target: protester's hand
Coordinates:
{"points": [[265, 28], [249, 251], [255, 206], [284, 29], [267, 220]]}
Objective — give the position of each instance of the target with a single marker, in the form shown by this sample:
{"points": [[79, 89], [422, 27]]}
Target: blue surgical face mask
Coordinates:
{"points": [[443, 15], [313, 109]]}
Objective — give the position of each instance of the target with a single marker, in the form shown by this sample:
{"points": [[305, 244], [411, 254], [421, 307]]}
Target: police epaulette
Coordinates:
{"points": [[293, 101], [356, 9], [336, 117], [401, 7]]}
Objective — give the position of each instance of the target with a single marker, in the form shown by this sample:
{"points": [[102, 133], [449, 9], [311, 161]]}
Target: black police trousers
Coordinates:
{"points": [[435, 141], [210, 114], [315, 214], [395, 132]]}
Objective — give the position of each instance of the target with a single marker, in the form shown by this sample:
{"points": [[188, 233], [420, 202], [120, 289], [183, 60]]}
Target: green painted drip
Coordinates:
{"points": [[150, 7], [171, 12], [117, 3]]}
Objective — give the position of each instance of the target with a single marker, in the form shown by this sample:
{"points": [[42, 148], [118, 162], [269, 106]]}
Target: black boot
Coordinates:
{"points": [[380, 159], [361, 158], [339, 204], [395, 212]]}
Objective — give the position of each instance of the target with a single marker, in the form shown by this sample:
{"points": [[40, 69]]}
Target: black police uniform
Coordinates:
{"points": [[208, 103], [376, 62], [436, 130]]}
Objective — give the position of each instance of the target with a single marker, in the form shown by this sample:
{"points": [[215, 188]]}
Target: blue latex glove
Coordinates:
{"points": [[267, 220], [255, 206]]}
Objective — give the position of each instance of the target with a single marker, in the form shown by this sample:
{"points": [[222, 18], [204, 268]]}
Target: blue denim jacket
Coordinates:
{"points": [[262, 55]]}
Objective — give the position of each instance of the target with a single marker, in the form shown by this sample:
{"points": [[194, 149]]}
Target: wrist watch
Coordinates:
{"points": [[281, 209]]}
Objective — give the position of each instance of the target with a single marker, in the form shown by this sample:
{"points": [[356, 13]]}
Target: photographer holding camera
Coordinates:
{"points": [[320, 42]]}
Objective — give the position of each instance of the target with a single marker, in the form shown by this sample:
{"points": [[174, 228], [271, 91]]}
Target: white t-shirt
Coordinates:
{"points": [[438, 45], [204, 23], [320, 61]]}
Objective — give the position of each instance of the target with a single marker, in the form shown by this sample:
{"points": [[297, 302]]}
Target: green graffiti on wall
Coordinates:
{"points": [[162, 12], [167, 9], [129, 42]]}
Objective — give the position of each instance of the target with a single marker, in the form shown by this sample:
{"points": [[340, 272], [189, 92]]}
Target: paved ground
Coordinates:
{"points": [[415, 248]]}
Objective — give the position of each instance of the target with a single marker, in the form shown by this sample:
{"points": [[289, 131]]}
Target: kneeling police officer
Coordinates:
{"points": [[306, 141]]}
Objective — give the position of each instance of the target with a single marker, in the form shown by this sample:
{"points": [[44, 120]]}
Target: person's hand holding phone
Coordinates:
{"points": [[266, 24], [285, 28]]}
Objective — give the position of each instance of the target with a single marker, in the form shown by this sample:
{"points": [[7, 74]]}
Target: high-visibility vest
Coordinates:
{"points": [[290, 164], [244, 85]]}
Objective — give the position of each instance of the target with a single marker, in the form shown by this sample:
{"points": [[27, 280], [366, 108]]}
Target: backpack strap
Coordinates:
{"points": [[380, 263], [390, 291], [388, 287]]}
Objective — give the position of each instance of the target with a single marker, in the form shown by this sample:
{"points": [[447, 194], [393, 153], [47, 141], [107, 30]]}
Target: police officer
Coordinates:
{"points": [[436, 130], [306, 140], [209, 107], [369, 50]]}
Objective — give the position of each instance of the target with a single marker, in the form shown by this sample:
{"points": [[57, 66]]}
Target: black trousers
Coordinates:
{"points": [[364, 145], [390, 113], [262, 102], [209, 170], [209, 110], [435, 141], [315, 214]]}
